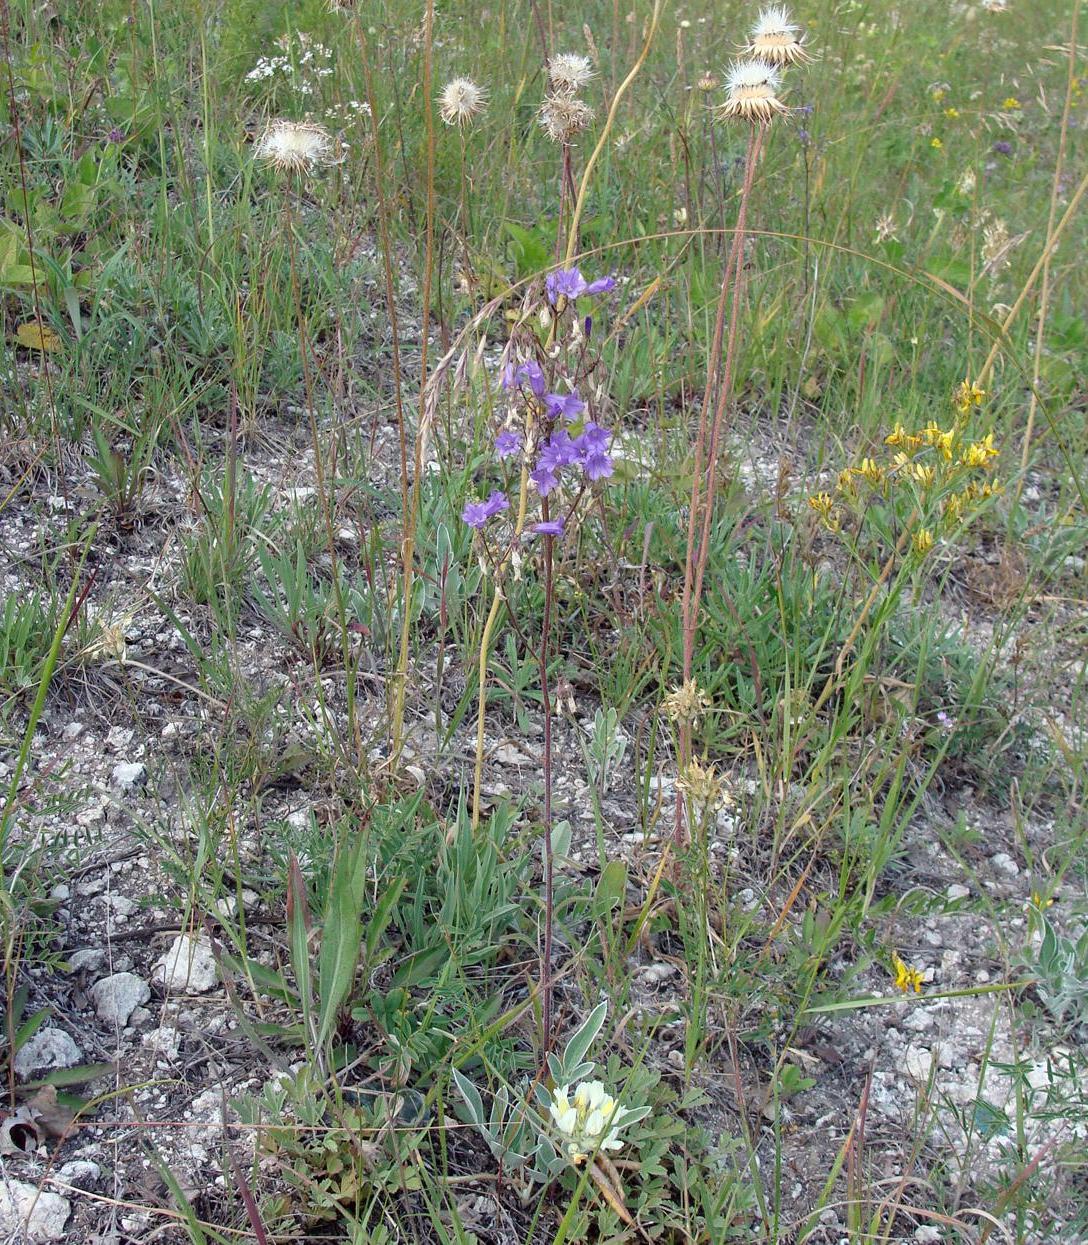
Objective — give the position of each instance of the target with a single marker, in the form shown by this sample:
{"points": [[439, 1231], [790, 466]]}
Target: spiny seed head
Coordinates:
{"points": [[461, 100], [568, 73], [751, 92], [561, 117], [294, 146], [708, 82], [775, 39]]}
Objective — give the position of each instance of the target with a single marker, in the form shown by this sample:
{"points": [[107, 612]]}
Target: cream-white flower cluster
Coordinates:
{"points": [[589, 1119]]}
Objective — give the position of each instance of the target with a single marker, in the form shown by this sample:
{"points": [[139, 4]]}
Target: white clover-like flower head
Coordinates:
{"points": [[589, 1120], [751, 92], [569, 72], [294, 146], [461, 100], [775, 38]]}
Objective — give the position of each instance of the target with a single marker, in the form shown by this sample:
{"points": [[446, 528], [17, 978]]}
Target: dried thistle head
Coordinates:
{"points": [[707, 82], [340, 6], [775, 39], [751, 92], [294, 146], [686, 703], [704, 787], [460, 101], [561, 117], [569, 73]]}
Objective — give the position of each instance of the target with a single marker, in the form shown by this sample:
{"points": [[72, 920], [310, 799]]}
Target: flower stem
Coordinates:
{"points": [[701, 509], [549, 863]]}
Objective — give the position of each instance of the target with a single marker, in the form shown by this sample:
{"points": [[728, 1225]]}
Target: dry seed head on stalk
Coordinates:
{"points": [[561, 117], [686, 703], [568, 73], [461, 100], [775, 39], [708, 82], [704, 787], [751, 92], [294, 146]]}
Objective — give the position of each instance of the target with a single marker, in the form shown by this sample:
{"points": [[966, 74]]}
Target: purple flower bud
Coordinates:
{"points": [[1002, 148], [507, 443], [550, 527], [593, 440], [601, 286], [528, 372]]}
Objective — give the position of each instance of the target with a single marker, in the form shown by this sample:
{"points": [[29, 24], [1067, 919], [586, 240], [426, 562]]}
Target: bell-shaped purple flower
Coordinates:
{"points": [[527, 373], [477, 513], [569, 283], [507, 443], [544, 479], [550, 527], [564, 405]]}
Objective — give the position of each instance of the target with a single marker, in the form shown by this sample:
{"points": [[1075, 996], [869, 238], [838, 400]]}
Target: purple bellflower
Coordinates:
{"points": [[569, 283], [528, 373], [567, 405], [477, 513], [550, 527], [507, 443]]}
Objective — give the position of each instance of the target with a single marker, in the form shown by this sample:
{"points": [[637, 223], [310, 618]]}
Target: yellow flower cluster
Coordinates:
{"points": [[933, 462], [906, 978]]}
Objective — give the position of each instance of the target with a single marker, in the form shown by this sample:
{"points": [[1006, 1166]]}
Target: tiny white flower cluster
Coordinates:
{"points": [[313, 61], [589, 1121]]}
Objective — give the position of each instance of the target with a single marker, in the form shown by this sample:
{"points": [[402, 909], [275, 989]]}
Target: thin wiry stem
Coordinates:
{"points": [[400, 679], [1044, 292], [706, 457], [549, 862]]}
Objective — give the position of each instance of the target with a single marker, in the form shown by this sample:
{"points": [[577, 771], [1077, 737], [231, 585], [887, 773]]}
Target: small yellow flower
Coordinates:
{"points": [[953, 509], [980, 453], [968, 394], [906, 978], [897, 436], [1011, 104], [1039, 900], [823, 504], [938, 95], [951, 113], [870, 471], [992, 488], [940, 440], [925, 474], [923, 541], [936, 143], [844, 483]]}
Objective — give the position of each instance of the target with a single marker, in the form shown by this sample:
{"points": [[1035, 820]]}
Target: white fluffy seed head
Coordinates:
{"points": [[561, 117], [775, 38], [569, 73], [751, 92], [461, 100], [294, 146]]}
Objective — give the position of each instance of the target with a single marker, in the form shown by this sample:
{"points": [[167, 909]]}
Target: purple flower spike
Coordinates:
{"points": [[569, 283], [528, 373], [544, 479], [550, 527], [477, 513], [567, 405], [507, 443]]}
